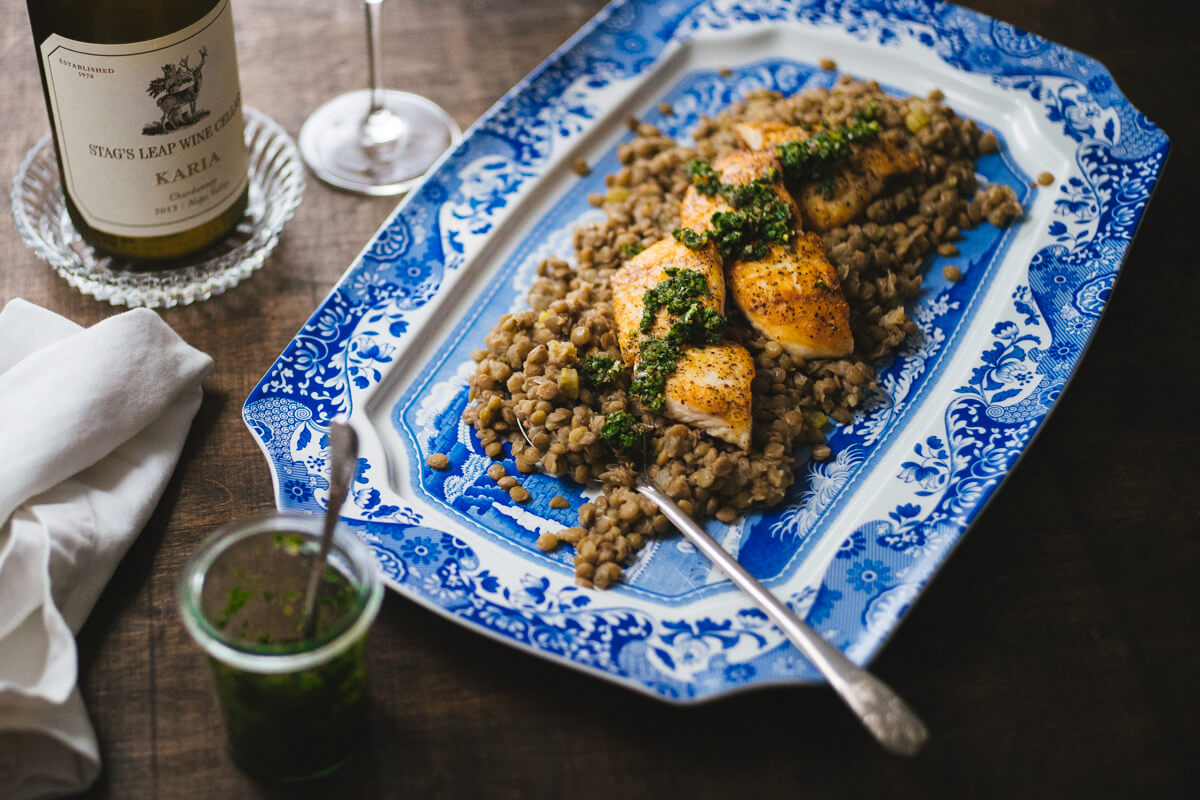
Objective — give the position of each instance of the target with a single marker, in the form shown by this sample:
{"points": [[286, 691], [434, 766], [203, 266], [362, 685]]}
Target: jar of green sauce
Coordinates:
{"points": [[293, 707]]}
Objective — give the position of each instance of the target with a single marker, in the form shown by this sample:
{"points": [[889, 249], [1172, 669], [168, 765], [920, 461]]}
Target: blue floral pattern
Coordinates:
{"points": [[933, 442], [869, 576]]}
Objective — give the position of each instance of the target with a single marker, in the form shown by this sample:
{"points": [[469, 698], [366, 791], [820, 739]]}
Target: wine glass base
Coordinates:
{"points": [[331, 142]]}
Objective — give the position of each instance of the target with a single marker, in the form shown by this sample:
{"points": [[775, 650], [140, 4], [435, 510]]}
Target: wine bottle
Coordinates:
{"points": [[146, 111]]}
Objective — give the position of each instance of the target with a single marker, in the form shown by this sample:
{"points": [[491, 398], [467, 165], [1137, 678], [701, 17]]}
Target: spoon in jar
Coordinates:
{"points": [[343, 460], [883, 713]]}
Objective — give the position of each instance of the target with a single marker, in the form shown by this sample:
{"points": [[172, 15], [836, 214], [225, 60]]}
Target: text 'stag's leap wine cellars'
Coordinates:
{"points": [[146, 110]]}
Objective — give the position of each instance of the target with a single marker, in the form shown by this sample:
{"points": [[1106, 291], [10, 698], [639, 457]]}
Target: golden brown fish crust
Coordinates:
{"points": [[768, 135], [794, 297], [648, 269], [710, 390]]}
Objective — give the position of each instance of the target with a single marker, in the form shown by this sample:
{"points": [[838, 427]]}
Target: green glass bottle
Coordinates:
{"points": [[146, 110]]}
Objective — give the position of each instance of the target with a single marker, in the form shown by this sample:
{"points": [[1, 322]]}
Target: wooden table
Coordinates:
{"points": [[1057, 655]]}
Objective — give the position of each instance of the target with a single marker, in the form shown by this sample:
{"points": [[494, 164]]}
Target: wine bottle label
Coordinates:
{"points": [[150, 134]]}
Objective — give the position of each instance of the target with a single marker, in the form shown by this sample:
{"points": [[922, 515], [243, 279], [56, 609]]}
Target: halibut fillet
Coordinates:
{"points": [[710, 387], [852, 186]]}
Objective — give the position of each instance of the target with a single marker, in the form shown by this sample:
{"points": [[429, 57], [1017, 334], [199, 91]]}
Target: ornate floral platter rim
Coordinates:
{"points": [[862, 535]]}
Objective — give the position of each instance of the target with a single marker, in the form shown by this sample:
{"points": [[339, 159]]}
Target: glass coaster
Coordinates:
{"points": [[276, 183]]}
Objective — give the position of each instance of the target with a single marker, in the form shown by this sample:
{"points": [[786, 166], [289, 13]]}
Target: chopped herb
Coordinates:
{"points": [[744, 234], [704, 177], [690, 238], [820, 284], [237, 599], [760, 215], [622, 430], [759, 191], [699, 325], [657, 356], [677, 294], [290, 543], [811, 159], [694, 323], [631, 250], [600, 371]]}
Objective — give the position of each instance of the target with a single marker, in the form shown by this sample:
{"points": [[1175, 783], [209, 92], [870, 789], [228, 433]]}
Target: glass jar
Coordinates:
{"points": [[293, 707]]}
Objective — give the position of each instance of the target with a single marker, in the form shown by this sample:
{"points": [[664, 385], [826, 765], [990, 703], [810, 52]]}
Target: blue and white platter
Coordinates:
{"points": [[859, 536]]}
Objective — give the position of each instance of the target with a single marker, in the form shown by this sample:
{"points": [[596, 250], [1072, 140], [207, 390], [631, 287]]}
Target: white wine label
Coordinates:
{"points": [[150, 133]]}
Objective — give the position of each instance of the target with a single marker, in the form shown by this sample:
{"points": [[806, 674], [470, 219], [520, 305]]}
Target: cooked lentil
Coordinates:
{"points": [[952, 273], [438, 461], [527, 390]]}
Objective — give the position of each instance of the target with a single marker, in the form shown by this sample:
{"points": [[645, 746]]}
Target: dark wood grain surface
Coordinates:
{"points": [[1057, 655]]}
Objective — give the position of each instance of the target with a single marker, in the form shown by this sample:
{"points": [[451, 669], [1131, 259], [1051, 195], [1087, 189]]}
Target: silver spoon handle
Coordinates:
{"points": [[883, 713], [343, 464]]}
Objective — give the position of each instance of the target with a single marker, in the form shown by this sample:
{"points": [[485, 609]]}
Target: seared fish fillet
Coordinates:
{"points": [[648, 269], [791, 295], [768, 135], [740, 166], [710, 390], [854, 185], [794, 297]]}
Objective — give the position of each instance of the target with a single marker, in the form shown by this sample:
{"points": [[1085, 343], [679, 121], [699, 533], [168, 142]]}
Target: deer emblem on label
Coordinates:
{"points": [[175, 93]]}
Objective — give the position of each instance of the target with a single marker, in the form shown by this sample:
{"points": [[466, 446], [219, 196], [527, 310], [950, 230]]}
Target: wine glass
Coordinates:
{"points": [[375, 141]]}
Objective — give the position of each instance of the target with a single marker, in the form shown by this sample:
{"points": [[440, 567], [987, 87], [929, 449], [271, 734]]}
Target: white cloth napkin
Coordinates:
{"points": [[91, 425]]}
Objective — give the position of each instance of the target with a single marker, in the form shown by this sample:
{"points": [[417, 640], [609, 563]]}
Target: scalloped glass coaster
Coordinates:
{"points": [[276, 184]]}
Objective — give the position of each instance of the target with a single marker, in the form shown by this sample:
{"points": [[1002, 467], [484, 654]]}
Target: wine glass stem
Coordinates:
{"points": [[381, 134], [375, 53]]}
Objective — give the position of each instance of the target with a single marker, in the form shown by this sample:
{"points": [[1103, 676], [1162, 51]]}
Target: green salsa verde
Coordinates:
{"points": [[295, 725], [290, 725], [622, 430], [759, 217], [692, 323], [600, 371], [811, 159]]}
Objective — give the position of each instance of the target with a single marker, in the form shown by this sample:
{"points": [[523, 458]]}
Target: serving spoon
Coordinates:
{"points": [[889, 719], [880, 709]]}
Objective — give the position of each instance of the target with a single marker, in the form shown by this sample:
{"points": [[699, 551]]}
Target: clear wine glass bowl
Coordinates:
{"points": [[382, 151], [276, 185]]}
